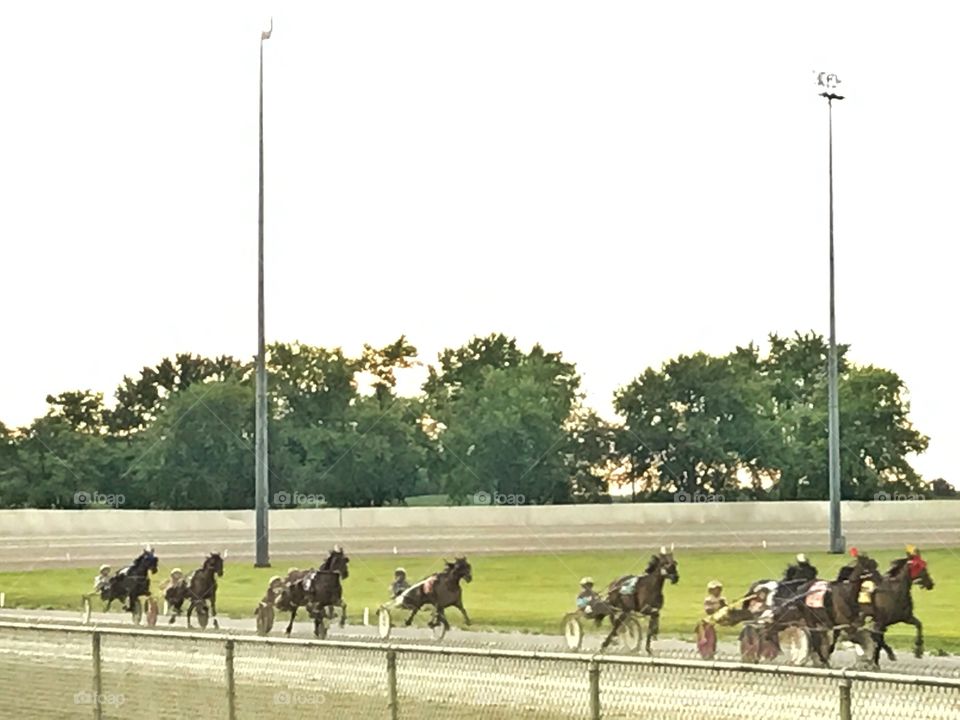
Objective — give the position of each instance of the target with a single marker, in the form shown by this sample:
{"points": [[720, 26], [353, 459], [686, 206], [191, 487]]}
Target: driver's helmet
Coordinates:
{"points": [[802, 559], [104, 568], [714, 585], [399, 571], [176, 571], [912, 551], [585, 581]]}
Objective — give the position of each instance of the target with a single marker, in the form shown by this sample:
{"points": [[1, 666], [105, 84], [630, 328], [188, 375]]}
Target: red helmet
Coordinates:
{"points": [[854, 552]]}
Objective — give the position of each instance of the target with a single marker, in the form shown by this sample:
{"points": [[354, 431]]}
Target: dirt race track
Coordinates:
{"points": [[27, 552], [47, 673]]}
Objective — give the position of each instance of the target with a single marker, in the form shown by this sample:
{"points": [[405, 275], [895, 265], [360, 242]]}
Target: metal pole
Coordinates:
{"points": [[593, 671], [97, 678], [833, 405], [262, 462], [392, 684], [231, 683], [846, 712]]}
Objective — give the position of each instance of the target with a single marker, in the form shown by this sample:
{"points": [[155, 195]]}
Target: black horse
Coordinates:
{"points": [[892, 603], [441, 591], [316, 590], [133, 582], [199, 588], [642, 594]]}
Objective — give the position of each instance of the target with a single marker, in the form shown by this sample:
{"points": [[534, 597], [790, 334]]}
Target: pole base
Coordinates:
{"points": [[262, 565]]}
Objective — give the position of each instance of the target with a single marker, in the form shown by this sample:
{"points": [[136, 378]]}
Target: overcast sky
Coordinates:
{"points": [[621, 181]]}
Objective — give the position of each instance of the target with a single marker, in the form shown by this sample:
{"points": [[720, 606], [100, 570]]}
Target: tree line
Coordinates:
{"points": [[490, 420]]}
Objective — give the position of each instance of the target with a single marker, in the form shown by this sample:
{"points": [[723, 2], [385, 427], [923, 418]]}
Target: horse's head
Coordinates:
{"points": [[338, 562], [667, 567], [214, 562], [460, 569], [147, 561], [919, 574]]}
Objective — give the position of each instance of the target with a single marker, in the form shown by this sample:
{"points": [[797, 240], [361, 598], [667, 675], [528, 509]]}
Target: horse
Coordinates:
{"points": [[818, 606], [892, 603], [199, 587], [642, 594], [316, 590], [441, 591], [132, 582]]}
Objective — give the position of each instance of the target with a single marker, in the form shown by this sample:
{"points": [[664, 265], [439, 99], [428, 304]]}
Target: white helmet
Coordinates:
{"points": [[104, 567], [176, 571], [586, 580], [714, 585], [801, 558]]}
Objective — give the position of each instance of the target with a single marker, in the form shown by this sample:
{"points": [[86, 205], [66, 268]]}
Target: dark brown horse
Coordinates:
{"points": [[642, 594], [441, 591], [199, 588], [133, 582], [316, 590], [892, 603]]}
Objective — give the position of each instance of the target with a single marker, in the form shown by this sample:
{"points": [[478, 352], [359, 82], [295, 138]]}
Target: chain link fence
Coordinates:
{"points": [[49, 671]]}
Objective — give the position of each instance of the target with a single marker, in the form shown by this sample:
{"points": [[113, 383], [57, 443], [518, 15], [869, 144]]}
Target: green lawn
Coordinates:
{"points": [[532, 592]]}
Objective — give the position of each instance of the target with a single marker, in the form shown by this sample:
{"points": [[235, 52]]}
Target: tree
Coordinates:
{"points": [[695, 425], [504, 421], [309, 385], [200, 449], [140, 400]]}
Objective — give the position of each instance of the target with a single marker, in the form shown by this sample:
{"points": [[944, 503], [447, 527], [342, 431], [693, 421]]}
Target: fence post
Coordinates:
{"points": [[97, 678], [845, 709], [594, 672], [231, 687], [392, 683]]}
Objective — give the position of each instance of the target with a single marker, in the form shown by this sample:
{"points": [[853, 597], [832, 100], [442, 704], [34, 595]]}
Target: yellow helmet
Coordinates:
{"points": [[911, 549], [586, 580]]}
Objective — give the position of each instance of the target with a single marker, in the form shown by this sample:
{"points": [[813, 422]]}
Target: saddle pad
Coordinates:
{"points": [[630, 586], [866, 592], [428, 583], [816, 593]]}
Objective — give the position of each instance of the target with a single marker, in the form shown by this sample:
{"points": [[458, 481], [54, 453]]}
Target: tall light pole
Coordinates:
{"points": [[829, 84], [262, 463]]}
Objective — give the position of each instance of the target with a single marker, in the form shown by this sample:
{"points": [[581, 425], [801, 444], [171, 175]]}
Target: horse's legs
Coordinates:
{"points": [[318, 620], [442, 618], [190, 611], [109, 603], [463, 611], [343, 613], [410, 619], [616, 619], [653, 629], [918, 644], [213, 611], [293, 615]]}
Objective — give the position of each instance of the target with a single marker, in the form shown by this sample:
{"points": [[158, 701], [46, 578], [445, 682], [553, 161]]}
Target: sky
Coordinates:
{"points": [[620, 181]]}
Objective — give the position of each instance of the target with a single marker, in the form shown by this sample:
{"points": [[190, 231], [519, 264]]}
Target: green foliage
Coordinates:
{"points": [[491, 418]]}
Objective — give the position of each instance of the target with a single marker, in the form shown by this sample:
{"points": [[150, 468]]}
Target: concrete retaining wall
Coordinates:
{"points": [[52, 523]]}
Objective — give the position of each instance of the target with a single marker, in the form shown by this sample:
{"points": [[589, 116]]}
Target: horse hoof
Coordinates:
{"points": [[918, 653]]}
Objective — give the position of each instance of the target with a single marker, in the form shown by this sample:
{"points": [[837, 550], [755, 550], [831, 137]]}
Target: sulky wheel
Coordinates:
{"points": [[795, 643], [572, 631], [152, 611], [384, 623], [630, 634], [706, 640], [264, 619], [750, 644]]}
